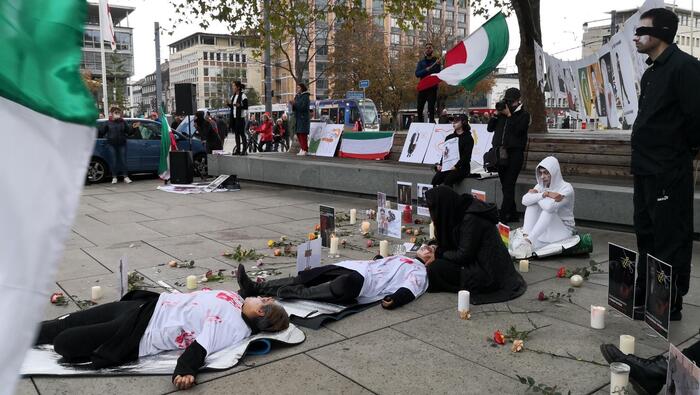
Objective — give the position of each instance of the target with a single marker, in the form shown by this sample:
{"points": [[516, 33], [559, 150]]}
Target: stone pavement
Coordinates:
{"points": [[421, 348]]}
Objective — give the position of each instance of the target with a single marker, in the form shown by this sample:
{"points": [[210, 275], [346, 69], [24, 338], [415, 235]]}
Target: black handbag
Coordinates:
{"points": [[491, 160]]}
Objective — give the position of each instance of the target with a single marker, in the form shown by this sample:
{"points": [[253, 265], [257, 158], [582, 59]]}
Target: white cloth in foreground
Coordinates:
{"points": [[385, 276], [212, 318], [546, 220]]}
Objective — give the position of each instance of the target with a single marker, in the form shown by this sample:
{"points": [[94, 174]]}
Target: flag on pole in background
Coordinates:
{"points": [[473, 58], [167, 144], [44, 100], [106, 24]]}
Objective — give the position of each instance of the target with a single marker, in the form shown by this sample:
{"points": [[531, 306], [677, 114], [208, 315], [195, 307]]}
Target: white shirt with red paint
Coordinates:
{"points": [[385, 276], [212, 318]]}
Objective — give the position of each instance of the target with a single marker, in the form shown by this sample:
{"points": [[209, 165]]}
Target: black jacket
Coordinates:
{"points": [[424, 63], [302, 119], [667, 128], [115, 131], [510, 132], [466, 145], [241, 110]]}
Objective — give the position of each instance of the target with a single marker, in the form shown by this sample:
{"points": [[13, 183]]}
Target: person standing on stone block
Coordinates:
{"points": [[239, 111], [665, 139], [302, 117], [428, 65]]}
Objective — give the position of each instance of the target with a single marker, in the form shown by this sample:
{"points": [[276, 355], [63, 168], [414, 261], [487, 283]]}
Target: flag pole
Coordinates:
{"points": [[105, 103]]}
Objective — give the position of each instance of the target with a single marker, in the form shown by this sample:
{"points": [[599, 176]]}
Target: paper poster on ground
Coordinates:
{"points": [[621, 279], [659, 294], [315, 133], [422, 205], [327, 223], [437, 139], [309, 255], [417, 141], [381, 199], [328, 141], [389, 222], [682, 375], [450, 154]]}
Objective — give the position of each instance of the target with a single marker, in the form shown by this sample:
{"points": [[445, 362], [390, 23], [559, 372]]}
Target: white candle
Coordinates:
{"points": [[524, 266], [96, 293], [432, 230], [576, 280], [619, 377], [353, 216], [191, 282], [463, 301], [334, 245], [627, 344], [384, 248], [387, 204], [364, 228], [597, 317]]}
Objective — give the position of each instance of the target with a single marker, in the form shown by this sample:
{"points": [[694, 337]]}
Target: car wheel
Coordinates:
{"points": [[200, 165], [97, 171]]}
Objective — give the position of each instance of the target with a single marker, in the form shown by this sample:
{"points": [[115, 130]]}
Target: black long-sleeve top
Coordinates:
{"points": [[510, 132], [466, 145]]}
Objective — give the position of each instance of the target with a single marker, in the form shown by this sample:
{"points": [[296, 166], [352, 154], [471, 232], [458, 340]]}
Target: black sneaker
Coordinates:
{"points": [[647, 376]]}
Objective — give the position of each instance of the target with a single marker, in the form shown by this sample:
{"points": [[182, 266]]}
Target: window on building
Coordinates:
{"points": [[410, 40], [123, 41], [462, 32], [238, 58], [209, 40], [684, 20], [242, 58], [449, 15], [91, 39], [205, 56], [394, 22], [230, 57], [206, 71], [396, 39], [322, 50], [461, 17], [437, 13], [218, 57], [322, 84]]}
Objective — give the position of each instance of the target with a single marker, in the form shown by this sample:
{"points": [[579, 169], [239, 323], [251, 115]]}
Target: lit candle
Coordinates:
{"points": [[463, 303], [524, 266], [334, 245], [432, 230], [627, 344], [619, 377], [597, 317], [576, 280], [191, 282], [353, 216], [96, 293], [384, 248], [364, 228]]}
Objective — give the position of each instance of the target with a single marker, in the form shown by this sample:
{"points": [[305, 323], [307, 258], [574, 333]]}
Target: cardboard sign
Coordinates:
{"points": [[389, 222], [327, 222], [417, 142], [437, 140], [450, 154], [422, 202], [621, 279], [328, 140], [315, 133], [682, 375], [659, 293], [309, 255]]}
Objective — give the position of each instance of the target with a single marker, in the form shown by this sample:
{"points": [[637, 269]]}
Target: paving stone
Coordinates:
{"points": [[246, 217], [174, 211], [122, 385], [185, 225], [26, 387], [81, 289], [189, 247], [120, 217], [102, 234], [76, 264], [77, 241], [167, 273], [389, 362], [139, 254], [370, 320], [292, 213]]}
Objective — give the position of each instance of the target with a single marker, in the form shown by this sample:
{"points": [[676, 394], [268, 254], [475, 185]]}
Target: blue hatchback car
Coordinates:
{"points": [[142, 150]]}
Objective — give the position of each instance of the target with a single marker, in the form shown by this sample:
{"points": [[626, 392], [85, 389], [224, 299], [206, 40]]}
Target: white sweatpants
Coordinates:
{"points": [[543, 228]]}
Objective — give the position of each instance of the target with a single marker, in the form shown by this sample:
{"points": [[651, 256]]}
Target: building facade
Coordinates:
{"points": [[212, 62], [597, 33], [119, 63], [148, 90]]}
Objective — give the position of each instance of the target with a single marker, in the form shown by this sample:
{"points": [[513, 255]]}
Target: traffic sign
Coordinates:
{"points": [[364, 84], [354, 95]]}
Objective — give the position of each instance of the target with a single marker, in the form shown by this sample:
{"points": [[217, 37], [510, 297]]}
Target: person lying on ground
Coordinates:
{"points": [[145, 323], [468, 252], [395, 280]]}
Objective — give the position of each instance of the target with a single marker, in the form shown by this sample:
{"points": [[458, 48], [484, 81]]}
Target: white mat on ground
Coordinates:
{"points": [[520, 249], [310, 308], [44, 361]]}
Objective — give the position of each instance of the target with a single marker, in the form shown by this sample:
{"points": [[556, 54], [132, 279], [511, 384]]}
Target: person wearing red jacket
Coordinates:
{"points": [[279, 135], [266, 135]]}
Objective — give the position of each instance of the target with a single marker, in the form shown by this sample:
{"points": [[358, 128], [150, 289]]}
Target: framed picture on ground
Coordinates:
{"points": [[327, 222], [659, 293], [621, 279]]}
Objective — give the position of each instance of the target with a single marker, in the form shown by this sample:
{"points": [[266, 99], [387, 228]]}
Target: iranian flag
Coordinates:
{"points": [[366, 145], [473, 58], [167, 144], [51, 116]]}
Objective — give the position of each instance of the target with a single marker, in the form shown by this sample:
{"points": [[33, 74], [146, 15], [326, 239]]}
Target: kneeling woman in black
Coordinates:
{"points": [[469, 254]]}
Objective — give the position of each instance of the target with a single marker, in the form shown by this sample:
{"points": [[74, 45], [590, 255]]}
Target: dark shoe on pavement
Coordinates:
{"points": [[676, 308], [246, 286], [647, 376]]}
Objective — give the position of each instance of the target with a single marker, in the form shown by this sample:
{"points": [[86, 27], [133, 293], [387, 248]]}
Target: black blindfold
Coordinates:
{"points": [[660, 32]]}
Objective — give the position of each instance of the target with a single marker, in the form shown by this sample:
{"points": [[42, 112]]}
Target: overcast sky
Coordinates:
{"points": [[562, 29]]}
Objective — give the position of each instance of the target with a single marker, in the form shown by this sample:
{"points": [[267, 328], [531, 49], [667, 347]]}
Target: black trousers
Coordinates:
{"points": [[76, 336], [663, 223], [509, 176], [693, 352], [449, 178], [345, 284], [240, 135], [265, 146], [430, 96]]}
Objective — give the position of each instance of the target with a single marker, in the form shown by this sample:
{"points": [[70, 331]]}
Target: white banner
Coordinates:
{"points": [[416, 143], [328, 140], [437, 139]]}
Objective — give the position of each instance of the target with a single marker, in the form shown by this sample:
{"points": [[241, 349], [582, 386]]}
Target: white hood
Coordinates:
{"points": [[552, 165]]}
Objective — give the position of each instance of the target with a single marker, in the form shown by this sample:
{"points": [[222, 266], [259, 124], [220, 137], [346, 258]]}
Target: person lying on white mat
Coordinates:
{"points": [[395, 280], [146, 323], [549, 206]]}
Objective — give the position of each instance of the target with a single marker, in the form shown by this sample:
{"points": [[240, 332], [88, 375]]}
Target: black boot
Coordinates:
{"points": [[676, 308], [647, 376], [320, 292], [50, 329], [248, 287]]}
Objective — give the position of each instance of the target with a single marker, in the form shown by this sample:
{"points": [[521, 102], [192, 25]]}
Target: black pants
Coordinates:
{"points": [[509, 176], [693, 352], [345, 284], [76, 336], [429, 95], [239, 133], [449, 178], [265, 146], [663, 222]]}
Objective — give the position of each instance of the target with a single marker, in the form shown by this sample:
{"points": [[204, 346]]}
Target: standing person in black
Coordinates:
{"points": [[510, 132], [207, 134], [466, 144], [239, 110], [665, 138], [115, 131], [428, 65], [222, 126]]}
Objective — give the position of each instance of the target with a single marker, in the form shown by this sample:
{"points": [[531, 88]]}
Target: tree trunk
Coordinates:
{"points": [[528, 14]]}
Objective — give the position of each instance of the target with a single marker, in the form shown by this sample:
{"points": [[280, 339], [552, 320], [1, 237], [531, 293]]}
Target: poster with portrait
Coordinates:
{"points": [[315, 133], [585, 90], [422, 203], [539, 66], [621, 279], [659, 293], [624, 78], [327, 224], [381, 199], [609, 90], [450, 154], [482, 143], [389, 222], [309, 255], [437, 140], [404, 197], [328, 140], [595, 81], [417, 141], [682, 375]]}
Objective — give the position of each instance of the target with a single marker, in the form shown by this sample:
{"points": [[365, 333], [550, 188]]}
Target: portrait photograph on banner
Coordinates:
{"points": [[659, 293], [585, 89], [595, 82], [327, 224], [621, 279], [609, 91], [416, 144], [623, 71], [328, 140], [315, 133], [437, 139]]}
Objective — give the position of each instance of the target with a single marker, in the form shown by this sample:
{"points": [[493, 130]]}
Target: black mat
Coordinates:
{"points": [[317, 321]]}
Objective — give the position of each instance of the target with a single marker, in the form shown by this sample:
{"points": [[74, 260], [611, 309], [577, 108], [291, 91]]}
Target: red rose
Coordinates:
{"points": [[55, 296], [541, 297], [562, 272], [498, 338]]}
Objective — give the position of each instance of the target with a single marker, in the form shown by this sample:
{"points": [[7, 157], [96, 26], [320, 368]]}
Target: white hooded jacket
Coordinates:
{"points": [[565, 208]]}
